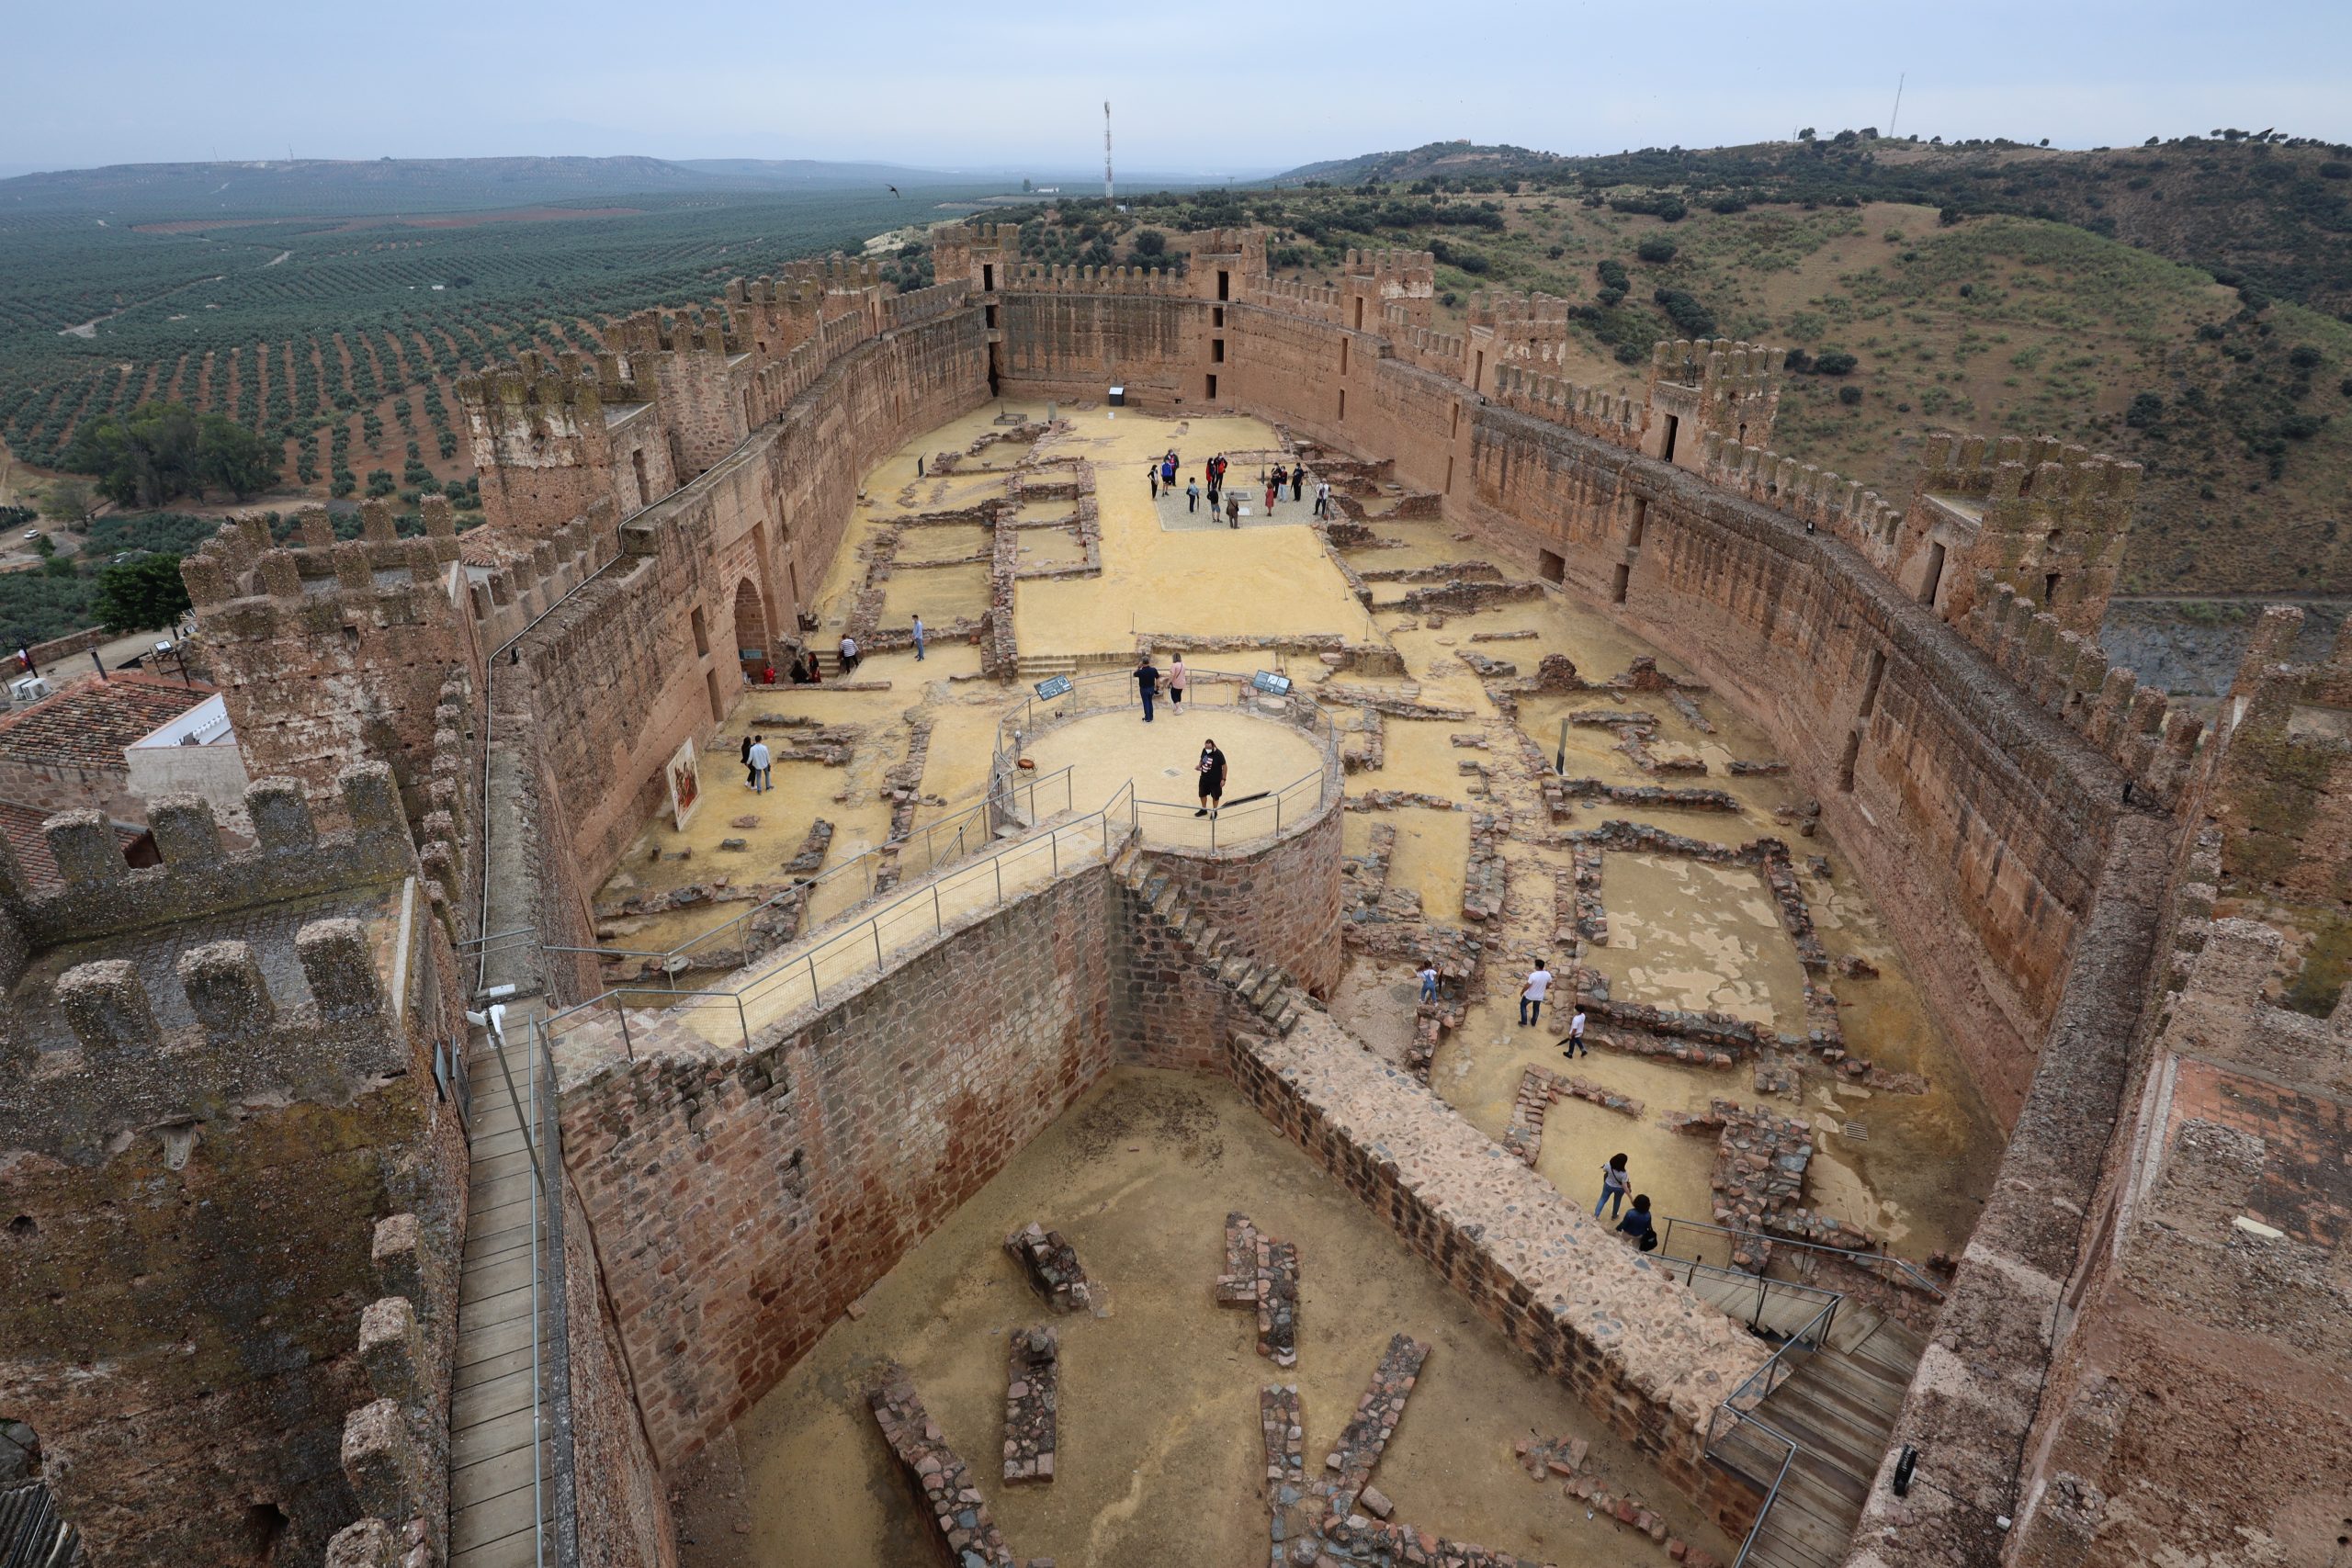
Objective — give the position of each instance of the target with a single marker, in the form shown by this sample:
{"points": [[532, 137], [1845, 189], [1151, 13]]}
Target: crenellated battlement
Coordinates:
{"points": [[1315, 301], [1512, 311], [1589, 411], [706, 330], [1408, 272], [292, 859], [2048, 518], [1819, 498], [2067, 672], [1033, 279]]}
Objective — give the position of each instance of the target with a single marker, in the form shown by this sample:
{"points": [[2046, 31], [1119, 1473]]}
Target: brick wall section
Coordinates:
{"points": [[741, 1200], [1652, 1360], [621, 1506], [1279, 900]]}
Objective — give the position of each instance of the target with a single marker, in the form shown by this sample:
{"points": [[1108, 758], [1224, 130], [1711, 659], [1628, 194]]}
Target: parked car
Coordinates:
{"points": [[32, 533]]}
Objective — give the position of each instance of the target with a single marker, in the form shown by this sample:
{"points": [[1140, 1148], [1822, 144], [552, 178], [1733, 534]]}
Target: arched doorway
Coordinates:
{"points": [[751, 630]]}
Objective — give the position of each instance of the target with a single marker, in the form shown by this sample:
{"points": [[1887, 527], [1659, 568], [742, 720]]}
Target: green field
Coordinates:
{"points": [[338, 333]]}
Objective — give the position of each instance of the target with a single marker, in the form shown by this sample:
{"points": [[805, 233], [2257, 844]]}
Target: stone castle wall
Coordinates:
{"points": [[1967, 806], [643, 658], [742, 1200]]}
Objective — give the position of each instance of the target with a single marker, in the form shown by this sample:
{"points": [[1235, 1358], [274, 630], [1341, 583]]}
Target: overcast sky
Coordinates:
{"points": [[1209, 85]]}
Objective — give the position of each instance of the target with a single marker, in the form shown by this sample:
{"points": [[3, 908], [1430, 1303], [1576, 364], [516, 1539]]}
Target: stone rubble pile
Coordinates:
{"points": [[1032, 1391], [1262, 1273], [957, 1512], [1051, 1265]]}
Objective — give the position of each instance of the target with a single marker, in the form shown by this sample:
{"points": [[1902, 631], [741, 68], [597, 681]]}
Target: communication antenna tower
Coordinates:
{"points": [[1106, 149], [1898, 105]]}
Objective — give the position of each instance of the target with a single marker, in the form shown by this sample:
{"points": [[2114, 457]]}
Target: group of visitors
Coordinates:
{"points": [[1161, 472], [1616, 1185], [1150, 679], [756, 758]]}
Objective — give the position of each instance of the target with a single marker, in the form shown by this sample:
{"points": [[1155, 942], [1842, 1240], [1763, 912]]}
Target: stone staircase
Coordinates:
{"points": [[1266, 989], [1838, 1407]]}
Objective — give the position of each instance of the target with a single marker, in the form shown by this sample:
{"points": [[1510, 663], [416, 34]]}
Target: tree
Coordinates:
{"points": [[1833, 362], [1657, 250], [142, 459], [231, 458], [68, 501], [140, 595]]}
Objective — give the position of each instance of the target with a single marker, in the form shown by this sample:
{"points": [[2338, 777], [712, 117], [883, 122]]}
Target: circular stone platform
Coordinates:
{"points": [[1105, 751]]}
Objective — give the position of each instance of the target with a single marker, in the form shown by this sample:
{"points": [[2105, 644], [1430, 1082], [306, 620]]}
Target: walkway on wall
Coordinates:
{"points": [[503, 1456], [1812, 1444]]}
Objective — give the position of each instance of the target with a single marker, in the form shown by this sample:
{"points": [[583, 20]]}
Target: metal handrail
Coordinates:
{"points": [[867, 862], [1692, 1267], [1911, 1272], [1273, 801], [1771, 1493], [1048, 837], [1085, 689]]}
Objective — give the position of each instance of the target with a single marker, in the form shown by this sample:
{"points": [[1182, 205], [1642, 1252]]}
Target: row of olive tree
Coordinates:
{"points": [[160, 452]]}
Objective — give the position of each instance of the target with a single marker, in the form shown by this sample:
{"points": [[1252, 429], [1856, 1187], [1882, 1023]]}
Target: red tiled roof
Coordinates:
{"points": [[20, 825], [89, 723]]}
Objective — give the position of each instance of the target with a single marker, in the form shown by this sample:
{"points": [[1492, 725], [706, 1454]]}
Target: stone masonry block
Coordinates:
{"points": [[336, 963], [391, 1347], [381, 1461], [225, 988], [106, 1007]]}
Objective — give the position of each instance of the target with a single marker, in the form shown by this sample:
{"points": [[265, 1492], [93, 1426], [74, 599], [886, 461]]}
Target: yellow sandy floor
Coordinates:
{"points": [[1255, 582], [1109, 750]]}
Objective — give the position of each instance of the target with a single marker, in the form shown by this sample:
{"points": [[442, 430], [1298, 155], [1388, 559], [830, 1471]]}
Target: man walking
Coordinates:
{"points": [[1428, 978], [1575, 1045], [1323, 499], [1532, 993], [1193, 495], [1148, 677], [751, 776], [760, 759], [1212, 771], [849, 654], [1233, 512]]}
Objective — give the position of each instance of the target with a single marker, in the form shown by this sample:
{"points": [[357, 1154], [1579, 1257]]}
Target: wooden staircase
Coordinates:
{"points": [[1837, 1406]]}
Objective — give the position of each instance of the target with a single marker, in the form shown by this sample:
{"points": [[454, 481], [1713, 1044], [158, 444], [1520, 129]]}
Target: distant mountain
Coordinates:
{"points": [[2268, 211], [341, 188]]}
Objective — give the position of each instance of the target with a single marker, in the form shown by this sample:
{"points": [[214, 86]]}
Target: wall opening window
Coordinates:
{"points": [[702, 632], [1673, 430], [1621, 581], [1641, 522], [1935, 574]]}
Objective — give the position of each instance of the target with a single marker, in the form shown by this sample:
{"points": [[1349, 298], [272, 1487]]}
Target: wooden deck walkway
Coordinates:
{"points": [[493, 1449]]}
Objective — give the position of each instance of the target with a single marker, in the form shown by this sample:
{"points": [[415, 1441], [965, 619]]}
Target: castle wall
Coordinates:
{"points": [[194, 1181], [741, 1200], [1076, 346], [1970, 807], [1279, 901], [643, 658], [620, 1507]]}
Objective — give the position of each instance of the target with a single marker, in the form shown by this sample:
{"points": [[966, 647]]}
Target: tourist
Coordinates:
{"points": [[759, 766], [767, 675], [1148, 677], [1279, 478], [1532, 992], [1212, 771], [1233, 512], [751, 774], [1636, 1224], [1575, 1045], [1212, 490], [1297, 481], [1192, 496], [918, 465], [1271, 486], [1179, 678], [1167, 471], [1323, 499], [918, 640], [1428, 977], [1152, 474], [849, 653], [800, 673], [1614, 1185]]}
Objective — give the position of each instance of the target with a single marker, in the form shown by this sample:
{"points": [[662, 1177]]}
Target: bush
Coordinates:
{"points": [[2336, 170], [2301, 426], [1834, 362], [2303, 357], [1797, 360], [2145, 410], [1850, 395], [1657, 250], [1690, 317], [380, 483]]}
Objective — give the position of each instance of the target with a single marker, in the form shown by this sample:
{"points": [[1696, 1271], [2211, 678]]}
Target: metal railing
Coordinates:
{"points": [[1254, 816], [1691, 1269], [824, 964], [1735, 1416], [833, 893], [551, 1446], [1903, 1273]]}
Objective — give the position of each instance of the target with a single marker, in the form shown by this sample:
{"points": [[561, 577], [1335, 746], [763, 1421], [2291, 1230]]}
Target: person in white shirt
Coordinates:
{"points": [[1575, 1045], [760, 758], [1532, 993], [849, 654], [1428, 977]]}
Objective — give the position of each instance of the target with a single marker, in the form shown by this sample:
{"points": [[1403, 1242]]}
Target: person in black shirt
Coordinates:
{"points": [[1148, 677], [1638, 1224], [1212, 771]]}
